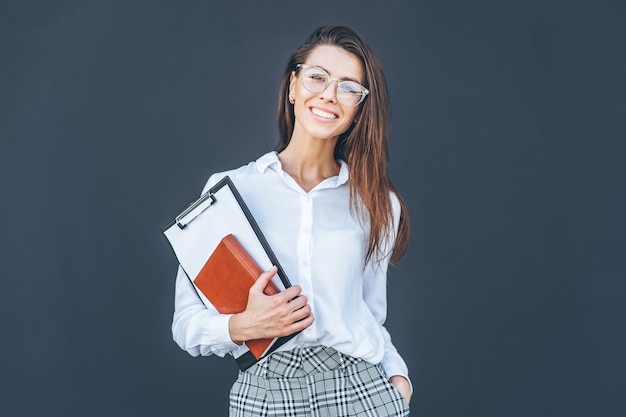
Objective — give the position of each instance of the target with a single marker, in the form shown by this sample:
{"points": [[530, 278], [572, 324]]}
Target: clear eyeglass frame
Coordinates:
{"points": [[316, 80]]}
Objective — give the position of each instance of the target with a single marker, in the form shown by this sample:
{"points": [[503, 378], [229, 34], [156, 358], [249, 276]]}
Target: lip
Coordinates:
{"points": [[325, 110]]}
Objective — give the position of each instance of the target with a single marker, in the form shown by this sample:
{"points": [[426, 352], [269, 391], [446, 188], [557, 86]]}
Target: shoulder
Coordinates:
{"points": [[245, 172]]}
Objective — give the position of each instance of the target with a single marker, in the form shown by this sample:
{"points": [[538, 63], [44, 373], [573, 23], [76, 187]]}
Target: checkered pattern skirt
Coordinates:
{"points": [[316, 382]]}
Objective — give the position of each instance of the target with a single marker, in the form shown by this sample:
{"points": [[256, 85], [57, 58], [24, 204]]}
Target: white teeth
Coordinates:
{"points": [[324, 114]]}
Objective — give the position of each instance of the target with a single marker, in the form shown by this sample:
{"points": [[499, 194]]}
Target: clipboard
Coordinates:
{"points": [[195, 233]]}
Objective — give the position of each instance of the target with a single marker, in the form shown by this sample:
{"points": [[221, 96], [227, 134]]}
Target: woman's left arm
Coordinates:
{"points": [[375, 296], [392, 363]]}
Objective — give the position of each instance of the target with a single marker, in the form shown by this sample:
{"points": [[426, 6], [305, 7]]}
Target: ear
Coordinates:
{"points": [[292, 83]]}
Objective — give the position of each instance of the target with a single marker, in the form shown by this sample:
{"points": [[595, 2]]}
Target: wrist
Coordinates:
{"points": [[398, 378], [235, 330]]}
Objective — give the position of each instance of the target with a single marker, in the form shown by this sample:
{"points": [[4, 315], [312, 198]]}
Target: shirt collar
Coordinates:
{"points": [[267, 160], [270, 160]]}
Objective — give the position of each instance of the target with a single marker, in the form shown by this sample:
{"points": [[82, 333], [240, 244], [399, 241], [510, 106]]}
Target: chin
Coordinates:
{"points": [[326, 134]]}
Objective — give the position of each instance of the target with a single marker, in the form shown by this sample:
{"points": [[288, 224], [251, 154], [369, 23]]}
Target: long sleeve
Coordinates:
{"points": [[195, 328], [374, 293], [375, 296]]}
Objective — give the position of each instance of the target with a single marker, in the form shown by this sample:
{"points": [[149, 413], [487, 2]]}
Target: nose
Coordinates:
{"points": [[330, 92]]}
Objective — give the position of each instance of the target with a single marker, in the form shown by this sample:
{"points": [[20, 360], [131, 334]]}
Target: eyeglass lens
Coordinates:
{"points": [[316, 80]]}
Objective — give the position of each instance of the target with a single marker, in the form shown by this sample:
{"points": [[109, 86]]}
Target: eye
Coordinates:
{"points": [[317, 77], [349, 87]]}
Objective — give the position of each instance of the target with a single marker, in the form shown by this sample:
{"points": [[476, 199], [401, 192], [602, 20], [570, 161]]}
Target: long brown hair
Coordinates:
{"points": [[364, 146]]}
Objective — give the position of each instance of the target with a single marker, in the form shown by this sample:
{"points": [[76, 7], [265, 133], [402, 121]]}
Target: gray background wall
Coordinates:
{"points": [[508, 127]]}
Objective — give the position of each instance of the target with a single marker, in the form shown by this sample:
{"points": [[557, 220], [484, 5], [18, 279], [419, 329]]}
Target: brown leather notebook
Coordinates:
{"points": [[225, 280]]}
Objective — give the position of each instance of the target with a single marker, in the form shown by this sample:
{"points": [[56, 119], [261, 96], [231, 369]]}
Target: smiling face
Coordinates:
{"points": [[321, 115]]}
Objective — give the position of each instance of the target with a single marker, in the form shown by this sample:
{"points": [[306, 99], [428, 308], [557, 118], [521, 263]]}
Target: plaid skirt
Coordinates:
{"points": [[316, 382]]}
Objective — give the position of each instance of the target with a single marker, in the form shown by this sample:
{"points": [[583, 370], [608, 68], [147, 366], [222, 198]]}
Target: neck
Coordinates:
{"points": [[309, 162]]}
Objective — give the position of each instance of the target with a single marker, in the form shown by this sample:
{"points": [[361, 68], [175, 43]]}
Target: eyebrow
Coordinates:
{"points": [[341, 79]]}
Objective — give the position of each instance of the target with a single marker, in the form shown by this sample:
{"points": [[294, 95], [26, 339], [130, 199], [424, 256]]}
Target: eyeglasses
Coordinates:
{"points": [[317, 80]]}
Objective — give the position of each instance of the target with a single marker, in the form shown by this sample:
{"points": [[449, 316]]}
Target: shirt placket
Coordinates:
{"points": [[304, 259]]}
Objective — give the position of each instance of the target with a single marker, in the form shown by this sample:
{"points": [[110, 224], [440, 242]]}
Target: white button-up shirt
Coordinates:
{"points": [[321, 244]]}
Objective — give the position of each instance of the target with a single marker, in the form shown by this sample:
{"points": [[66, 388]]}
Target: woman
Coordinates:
{"points": [[324, 201]]}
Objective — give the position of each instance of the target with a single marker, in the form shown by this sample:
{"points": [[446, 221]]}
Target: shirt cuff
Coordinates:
{"points": [[216, 335], [393, 369]]}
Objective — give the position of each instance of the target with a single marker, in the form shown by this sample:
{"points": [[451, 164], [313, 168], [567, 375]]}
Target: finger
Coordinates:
{"points": [[292, 292], [298, 302], [302, 313], [263, 280], [300, 324]]}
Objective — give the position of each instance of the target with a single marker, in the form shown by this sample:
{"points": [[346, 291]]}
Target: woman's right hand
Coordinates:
{"points": [[268, 316]]}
